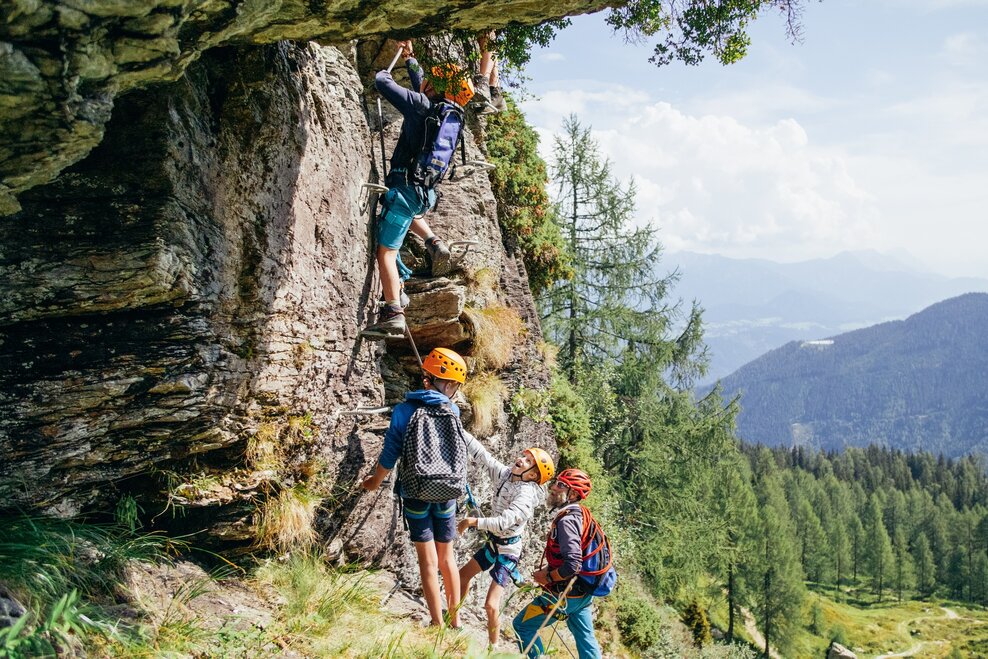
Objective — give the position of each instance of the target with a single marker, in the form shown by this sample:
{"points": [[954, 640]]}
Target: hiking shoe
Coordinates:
{"points": [[390, 324], [402, 299], [440, 257], [497, 99], [481, 90]]}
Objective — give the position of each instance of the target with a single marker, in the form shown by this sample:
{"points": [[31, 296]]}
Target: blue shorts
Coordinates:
{"points": [[401, 204], [500, 567], [430, 521]]}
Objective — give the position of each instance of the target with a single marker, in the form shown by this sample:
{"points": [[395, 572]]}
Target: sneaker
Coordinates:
{"points": [[497, 99], [390, 324], [440, 257]]}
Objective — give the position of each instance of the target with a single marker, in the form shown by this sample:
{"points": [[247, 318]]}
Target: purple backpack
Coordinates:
{"points": [[443, 131]]}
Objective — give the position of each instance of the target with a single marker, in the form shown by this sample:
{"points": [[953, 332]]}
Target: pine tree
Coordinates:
{"points": [[903, 572], [878, 548], [926, 578], [781, 591], [615, 304]]}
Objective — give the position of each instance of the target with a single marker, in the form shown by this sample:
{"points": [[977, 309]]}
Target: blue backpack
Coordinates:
{"points": [[597, 575], [443, 131]]}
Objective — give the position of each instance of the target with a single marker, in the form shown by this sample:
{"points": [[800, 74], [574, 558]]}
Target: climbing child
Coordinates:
{"points": [[410, 194], [487, 84], [427, 436], [517, 492]]}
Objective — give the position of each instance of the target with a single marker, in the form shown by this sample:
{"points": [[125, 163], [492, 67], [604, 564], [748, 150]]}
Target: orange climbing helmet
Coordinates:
{"points": [[544, 463], [445, 364], [576, 480], [457, 88]]}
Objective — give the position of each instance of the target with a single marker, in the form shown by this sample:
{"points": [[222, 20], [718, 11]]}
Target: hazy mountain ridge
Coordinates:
{"points": [[752, 306], [915, 384]]}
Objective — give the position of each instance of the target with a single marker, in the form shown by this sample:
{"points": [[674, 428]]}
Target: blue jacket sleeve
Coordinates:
{"points": [[409, 103], [396, 432], [414, 73]]}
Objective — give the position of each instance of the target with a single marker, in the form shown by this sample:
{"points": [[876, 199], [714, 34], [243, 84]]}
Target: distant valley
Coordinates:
{"points": [[914, 384], [753, 306]]}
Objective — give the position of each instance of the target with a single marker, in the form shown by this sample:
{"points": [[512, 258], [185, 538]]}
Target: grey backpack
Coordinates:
{"points": [[433, 455]]}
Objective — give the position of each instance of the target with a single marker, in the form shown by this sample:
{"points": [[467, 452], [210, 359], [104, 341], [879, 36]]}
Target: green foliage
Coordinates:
{"points": [[52, 635], [531, 403], [695, 619], [614, 307], [524, 210], [638, 622], [694, 28], [570, 421]]}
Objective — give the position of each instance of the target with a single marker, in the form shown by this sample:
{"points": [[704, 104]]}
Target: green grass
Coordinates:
{"points": [[871, 629]]}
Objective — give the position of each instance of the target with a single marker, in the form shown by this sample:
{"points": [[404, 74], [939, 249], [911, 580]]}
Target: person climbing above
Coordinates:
{"points": [[579, 568], [411, 184], [517, 492], [428, 438], [487, 83]]}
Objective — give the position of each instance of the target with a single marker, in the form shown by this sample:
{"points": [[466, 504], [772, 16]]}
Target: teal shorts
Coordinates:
{"points": [[401, 204]]}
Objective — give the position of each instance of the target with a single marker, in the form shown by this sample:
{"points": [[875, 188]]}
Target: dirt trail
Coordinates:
{"points": [[755, 634]]}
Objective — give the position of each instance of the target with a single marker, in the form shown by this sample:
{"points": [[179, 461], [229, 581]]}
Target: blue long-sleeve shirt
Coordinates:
{"points": [[399, 422], [414, 107]]}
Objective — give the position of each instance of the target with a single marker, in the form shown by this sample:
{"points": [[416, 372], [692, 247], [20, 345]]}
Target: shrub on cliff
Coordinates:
{"points": [[524, 208]]}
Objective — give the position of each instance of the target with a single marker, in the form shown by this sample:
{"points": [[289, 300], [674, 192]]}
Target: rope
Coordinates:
{"points": [[551, 613], [408, 333]]}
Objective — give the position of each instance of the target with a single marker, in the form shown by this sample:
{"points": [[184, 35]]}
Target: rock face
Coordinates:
{"points": [[204, 262], [838, 651], [194, 288], [63, 63]]}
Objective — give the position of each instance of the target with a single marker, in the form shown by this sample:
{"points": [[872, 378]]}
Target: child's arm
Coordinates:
{"points": [[495, 468], [392, 447], [518, 512]]}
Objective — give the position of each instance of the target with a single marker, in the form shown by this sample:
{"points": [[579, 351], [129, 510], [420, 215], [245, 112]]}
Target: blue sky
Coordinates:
{"points": [[872, 133]]}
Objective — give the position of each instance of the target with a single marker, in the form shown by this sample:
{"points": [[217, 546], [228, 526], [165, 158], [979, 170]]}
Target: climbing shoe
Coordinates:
{"points": [[390, 324], [440, 257], [497, 99]]}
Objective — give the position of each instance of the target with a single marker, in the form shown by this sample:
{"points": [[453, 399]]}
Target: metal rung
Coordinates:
{"points": [[374, 187], [366, 411], [481, 165]]}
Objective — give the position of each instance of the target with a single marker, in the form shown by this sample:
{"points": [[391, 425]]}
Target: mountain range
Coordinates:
{"points": [[752, 306], [913, 384]]}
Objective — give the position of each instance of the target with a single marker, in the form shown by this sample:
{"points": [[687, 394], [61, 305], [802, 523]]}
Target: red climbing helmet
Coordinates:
{"points": [[576, 480]]}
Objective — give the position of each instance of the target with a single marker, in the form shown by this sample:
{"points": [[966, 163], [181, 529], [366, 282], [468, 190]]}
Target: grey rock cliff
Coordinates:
{"points": [[198, 281], [63, 63]]}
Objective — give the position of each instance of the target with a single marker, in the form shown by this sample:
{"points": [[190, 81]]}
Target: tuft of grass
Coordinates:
{"points": [[262, 448], [483, 281], [497, 332], [486, 393], [285, 522]]}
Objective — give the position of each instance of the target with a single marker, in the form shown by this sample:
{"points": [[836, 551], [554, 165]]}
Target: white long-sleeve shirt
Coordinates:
{"points": [[514, 500]]}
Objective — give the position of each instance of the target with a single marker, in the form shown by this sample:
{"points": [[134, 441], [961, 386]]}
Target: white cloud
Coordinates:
{"points": [[552, 57], [713, 183], [961, 49]]}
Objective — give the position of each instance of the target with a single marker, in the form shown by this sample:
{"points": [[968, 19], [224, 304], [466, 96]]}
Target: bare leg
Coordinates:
{"points": [[486, 56], [493, 607], [428, 564], [451, 579], [467, 573], [420, 229], [386, 265]]}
